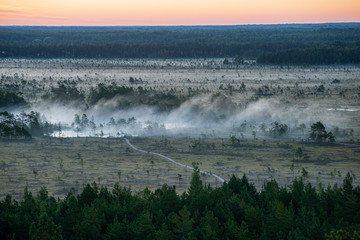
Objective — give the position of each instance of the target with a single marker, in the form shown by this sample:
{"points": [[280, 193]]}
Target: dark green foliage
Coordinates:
{"points": [[343, 235], [23, 125], [234, 141], [278, 129], [182, 223], [126, 97], [273, 44], [10, 127], [196, 185], [65, 93], [89, 194], [68, 213], [328, 54], [108, 92], [142, 228], [45, 229], [118, 230], [236, 210], [10, 99], [319, 134]]}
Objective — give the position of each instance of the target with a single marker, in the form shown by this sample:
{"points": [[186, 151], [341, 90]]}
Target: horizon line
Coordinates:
{"points": [[187, 25]]}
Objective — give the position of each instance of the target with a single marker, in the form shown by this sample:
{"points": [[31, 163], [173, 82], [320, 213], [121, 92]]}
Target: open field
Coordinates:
{"points": [[201, 75], [213, 102], [63, 163]]}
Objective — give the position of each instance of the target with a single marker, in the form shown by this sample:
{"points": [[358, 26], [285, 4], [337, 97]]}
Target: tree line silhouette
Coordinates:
{"points": [[279, 44]]}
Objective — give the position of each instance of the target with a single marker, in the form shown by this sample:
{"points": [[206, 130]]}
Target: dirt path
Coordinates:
{"points": [[171, 160]]}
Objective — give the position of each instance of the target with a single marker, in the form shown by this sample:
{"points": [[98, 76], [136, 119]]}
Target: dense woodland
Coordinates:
{"points": [[236, 210], [272, 44]]}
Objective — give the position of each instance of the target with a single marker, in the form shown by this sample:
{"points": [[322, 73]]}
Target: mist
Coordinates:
{"points": [[182, 98], [202, 116]]}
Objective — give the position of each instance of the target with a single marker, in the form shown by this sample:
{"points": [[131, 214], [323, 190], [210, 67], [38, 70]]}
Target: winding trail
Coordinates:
{"points": [[171, 160]]}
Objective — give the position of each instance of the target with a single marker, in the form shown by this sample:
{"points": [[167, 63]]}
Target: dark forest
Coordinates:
{"points": [[290, 44]]}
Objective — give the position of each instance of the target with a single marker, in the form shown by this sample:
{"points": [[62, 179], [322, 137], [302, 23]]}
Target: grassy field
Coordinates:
{"points": [[60, 164], [218, 100]]}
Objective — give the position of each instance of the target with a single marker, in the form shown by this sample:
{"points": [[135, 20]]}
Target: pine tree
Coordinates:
{"points": [[143, 227], [118, 230], [196, 185], [210, 226], [182, 223], [45, 229]]}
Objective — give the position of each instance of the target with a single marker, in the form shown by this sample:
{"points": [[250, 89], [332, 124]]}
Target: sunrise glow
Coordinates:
{"points": [[184, 12]]}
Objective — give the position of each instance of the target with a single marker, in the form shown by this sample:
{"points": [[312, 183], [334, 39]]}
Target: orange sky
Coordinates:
{"points": [[175, 12]]}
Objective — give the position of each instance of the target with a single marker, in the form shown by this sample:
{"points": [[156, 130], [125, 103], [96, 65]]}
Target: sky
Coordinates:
{"points": [[175, 12]]}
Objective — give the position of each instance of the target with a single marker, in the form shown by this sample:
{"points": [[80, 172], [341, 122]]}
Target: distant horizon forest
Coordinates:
{"points": [[283, 44]]}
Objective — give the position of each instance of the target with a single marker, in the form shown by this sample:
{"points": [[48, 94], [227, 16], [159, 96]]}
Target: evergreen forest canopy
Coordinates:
{"points": [[268, 44], [236, 210]]}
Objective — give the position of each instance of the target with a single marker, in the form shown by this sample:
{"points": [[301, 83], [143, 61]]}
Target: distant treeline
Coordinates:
{"points": [[321, 55], [236, 210], [268, 44]]}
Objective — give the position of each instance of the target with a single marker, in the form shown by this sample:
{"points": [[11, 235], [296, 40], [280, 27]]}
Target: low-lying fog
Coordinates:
{"points": [[201, 116], [217, 103]]}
